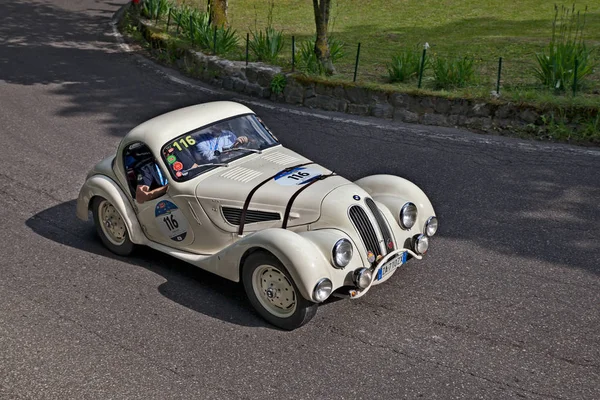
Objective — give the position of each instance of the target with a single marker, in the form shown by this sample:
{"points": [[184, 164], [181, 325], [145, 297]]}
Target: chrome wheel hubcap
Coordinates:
{"points": [[274, 291], [111, 223]]}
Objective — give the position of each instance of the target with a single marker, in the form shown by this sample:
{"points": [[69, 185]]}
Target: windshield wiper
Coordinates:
{"points": [[242, 148]]}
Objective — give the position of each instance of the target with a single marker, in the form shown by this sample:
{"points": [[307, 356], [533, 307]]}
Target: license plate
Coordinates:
{"points": [[391, 266]]}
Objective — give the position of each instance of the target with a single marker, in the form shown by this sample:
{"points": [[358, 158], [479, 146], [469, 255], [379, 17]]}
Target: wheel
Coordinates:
{"points": [[111, 227], [273, 293]]}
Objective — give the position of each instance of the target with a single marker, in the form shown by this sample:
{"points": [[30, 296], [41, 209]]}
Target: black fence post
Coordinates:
{"points": [[215, 40], [499, 75], [356, 64], [247, 42], [293, 53], [422, 67], [575, 77]]}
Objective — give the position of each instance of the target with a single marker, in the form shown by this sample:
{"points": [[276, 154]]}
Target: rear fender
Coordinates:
{"points": [[100, 185]]}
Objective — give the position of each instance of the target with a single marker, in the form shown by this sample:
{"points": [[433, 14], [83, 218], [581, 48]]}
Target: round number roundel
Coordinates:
{"points": [[170, 220], [297, 176]]}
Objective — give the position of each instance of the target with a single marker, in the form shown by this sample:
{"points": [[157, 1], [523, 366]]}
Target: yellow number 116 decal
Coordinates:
{"points": [[185, 142]]}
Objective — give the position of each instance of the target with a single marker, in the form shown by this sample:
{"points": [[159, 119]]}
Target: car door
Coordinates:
{"points": [[161, 219]]}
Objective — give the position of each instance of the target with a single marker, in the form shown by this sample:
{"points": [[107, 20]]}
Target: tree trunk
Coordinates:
{"points": [[218, 12], [322, 44]]}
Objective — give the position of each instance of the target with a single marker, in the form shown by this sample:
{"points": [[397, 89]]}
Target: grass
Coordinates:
{"points": [[481, 30]]}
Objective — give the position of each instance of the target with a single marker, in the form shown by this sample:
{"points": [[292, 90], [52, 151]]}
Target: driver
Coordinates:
{"points": [[150, 181], [212, 143]]}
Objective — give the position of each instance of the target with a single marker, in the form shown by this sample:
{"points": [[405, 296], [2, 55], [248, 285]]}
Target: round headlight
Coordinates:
{"points": [[421, 244], [363, 278], [431, 226], [408, 215], [322, 290], [341, 253]]}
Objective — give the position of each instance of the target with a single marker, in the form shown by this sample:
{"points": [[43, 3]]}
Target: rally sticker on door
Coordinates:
{"points": [[170, 220], [297, 176]]}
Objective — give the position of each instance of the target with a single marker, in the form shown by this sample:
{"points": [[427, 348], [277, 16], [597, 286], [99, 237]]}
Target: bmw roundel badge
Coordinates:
{"points": [[356, 197]]}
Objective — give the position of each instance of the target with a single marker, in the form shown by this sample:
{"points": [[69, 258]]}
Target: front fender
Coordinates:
{"points": [[393, 192], [100, 185], [303, 259]]}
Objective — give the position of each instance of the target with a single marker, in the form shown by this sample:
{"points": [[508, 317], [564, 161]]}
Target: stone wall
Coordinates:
{"points": [[255, 79]]}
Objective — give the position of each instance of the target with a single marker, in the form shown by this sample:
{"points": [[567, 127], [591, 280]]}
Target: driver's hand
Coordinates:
{"points": [[240, 141]]}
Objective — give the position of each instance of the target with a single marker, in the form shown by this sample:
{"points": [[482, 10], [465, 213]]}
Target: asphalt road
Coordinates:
{"points": [[505, 305]]}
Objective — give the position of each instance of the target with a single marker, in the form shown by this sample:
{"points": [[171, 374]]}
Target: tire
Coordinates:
{"points": [[262, 268], [111, 227]]}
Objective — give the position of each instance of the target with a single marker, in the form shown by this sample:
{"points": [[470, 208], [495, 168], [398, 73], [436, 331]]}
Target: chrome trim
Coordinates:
{"points": [[427, 224], [357, 275], [380, 264], [402, 211], [416, 239], [333, 252], [317, 286]]}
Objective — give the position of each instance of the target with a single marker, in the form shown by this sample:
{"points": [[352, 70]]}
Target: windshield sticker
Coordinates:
{"points": [[297, 176], [171, 159], [178, 166], [170, 220]]}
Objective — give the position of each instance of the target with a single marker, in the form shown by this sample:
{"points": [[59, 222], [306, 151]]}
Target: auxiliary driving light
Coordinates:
{"points": [[363, 278], [421, 244], [322, 290], [431, 226]]}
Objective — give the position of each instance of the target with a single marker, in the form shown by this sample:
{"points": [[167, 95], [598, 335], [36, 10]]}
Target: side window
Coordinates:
{"points": [[134, 156]]}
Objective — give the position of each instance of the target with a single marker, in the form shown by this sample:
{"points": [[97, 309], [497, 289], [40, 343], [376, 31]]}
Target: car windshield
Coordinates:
{"points": [[215, 145]]}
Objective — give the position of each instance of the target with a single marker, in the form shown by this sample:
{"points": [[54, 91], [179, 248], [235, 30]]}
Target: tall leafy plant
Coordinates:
{"points": [[404, 66], [266, 44], [451, 73], [308, 61], [156, 9], [557, 63]]}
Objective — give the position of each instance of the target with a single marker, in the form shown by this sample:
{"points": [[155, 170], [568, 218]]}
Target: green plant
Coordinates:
{"points": [[227, 40], [308, 61], [591, 129], [404, 66], [556, 64], [156, 9], [556, 128], [266, 45], [278, 83], [451, 73]]}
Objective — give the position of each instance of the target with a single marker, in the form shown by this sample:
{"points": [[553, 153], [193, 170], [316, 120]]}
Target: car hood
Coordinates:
{"points": [[222, 193]]}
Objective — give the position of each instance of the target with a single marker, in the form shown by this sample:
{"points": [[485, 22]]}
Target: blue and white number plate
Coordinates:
{"points": [[391, 266]]}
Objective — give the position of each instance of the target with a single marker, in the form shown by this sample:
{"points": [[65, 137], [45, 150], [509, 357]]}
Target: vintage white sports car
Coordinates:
{"points": [[211, 185]]}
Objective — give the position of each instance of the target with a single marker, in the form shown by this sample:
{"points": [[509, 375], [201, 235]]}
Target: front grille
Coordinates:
{"points": [[365, 229], [233, 216], [385, 232]]}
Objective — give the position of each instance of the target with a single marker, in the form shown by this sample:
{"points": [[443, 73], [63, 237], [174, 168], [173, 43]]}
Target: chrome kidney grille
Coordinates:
{"points": [[366, 229], [385, 231]]}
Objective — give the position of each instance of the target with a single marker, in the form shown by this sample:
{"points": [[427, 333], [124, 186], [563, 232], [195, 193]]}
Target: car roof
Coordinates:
{"points": [[159, 130]]}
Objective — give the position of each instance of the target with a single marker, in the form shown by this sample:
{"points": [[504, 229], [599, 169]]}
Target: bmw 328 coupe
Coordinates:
{"points": [[211, 185]]}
